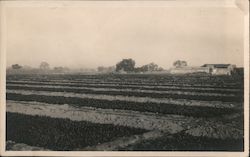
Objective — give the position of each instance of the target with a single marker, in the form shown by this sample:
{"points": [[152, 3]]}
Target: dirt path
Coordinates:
{"points": [[103, 116]]}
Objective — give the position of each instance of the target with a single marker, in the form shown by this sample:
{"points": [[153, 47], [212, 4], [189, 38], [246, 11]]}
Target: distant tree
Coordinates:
{"points": [[111, 68], [16, 66], [148, 67], [106, 69], [100, 69], [184, 63], [180, 63], [61, 69], [238, 71], [58, 69], [44, 66], [138, 69], [127, 65], [160, 69]]}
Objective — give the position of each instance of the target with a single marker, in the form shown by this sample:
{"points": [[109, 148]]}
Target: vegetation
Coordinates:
{"points": [[61, 134], [180, 63], [61, 69], [151, 67], [103, 69], [203, 81], [126, 65], [137, 94], [16, 66], [44, 66], [185, 142], [158, 108], [136, 86]]}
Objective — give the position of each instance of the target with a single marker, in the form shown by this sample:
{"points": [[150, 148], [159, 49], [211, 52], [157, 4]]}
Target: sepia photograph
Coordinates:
{"points": [[124, 78]]}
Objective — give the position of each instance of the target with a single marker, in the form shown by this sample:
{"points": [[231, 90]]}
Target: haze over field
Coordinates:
{"points": [[92, 36]]}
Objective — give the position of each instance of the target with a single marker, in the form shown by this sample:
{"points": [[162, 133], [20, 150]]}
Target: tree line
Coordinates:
{"points": [[43, 66], [128, 65], [123, 66]]}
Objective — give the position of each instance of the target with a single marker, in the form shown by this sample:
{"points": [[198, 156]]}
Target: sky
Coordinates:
{"points": [[88, 37]]}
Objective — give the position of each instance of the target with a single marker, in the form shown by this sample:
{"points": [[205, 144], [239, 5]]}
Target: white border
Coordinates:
{"points": [[129, 3]]}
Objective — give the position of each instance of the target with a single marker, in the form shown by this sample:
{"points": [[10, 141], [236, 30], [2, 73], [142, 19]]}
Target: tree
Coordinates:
{"points": [[44, 66], [127, 65], [106, 69], [16, 66], [180, 63], [61, 69], [58, 69], [148, 67], [100, 69], [151, 67], [160, 69], [139, 69]]}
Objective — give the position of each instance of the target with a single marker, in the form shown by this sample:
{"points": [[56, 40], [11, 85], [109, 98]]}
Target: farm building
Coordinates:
{"points": [[220, 69], [214, 69], [186, 69]]}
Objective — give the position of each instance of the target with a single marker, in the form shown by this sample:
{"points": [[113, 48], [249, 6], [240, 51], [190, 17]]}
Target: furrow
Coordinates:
{"points": [[182, 102], [118, 90], [179, 95], [117, 86]]}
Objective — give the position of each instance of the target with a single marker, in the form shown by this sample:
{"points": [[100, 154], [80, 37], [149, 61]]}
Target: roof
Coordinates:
{"points": [[217, 65]]}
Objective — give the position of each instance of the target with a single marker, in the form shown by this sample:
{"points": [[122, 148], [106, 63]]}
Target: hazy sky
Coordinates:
{"points": [[93, 36]]}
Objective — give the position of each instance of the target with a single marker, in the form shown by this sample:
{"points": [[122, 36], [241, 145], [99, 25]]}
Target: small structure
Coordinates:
{"points": [[181, 67], [220, 69], [188, 70]]}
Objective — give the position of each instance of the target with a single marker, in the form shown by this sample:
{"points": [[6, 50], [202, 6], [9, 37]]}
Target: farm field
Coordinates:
{"points": [[124, 112]]}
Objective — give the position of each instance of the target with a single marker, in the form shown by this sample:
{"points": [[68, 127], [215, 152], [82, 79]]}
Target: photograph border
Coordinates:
{"points": [[125, 3]]}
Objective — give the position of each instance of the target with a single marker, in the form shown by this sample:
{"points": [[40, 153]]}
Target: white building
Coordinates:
{"points": [[187, 70], [220, 69], [214, 69]]}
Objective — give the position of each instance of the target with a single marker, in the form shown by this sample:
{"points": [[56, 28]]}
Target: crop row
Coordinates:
{"points": [[158, 108], [139, 78], [61, 134], [136, 78], [128, 118], [137, 87], [217, 104], [187, 96], [180, 92], [185, 142], [203, 84]]}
